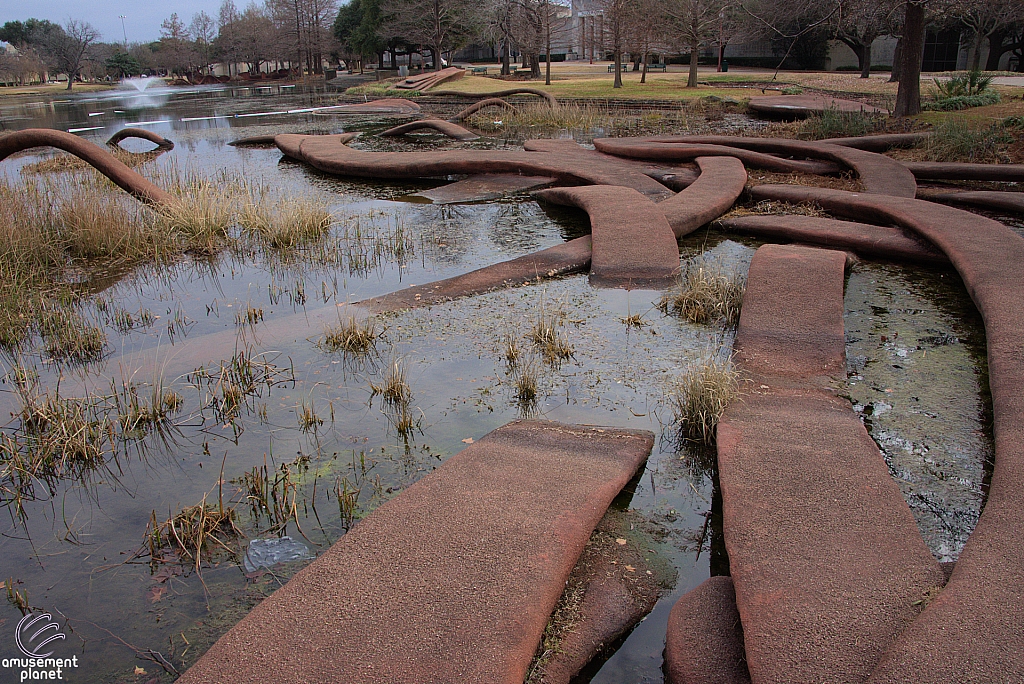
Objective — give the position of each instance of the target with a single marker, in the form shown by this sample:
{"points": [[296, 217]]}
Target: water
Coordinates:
{"points": [[78, 553]]}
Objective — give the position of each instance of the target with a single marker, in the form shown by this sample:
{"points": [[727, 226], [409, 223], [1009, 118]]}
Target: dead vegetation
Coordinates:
{"points": [[707, 293], [701, 395]]}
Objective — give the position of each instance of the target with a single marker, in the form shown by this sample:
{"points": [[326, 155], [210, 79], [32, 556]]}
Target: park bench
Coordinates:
{"points": [[478, 70], [611, 68], [657, 67]]}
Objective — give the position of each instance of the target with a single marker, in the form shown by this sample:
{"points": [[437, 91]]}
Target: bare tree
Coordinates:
{"points": [[696, 22], [860, 23], [984, 19], [908, 95], [203, 31], [66, 49], [441, 25]]}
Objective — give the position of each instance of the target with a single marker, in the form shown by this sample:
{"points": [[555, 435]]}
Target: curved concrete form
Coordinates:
{"points": [[484, 187], [386, 105], [482, 104], [793, 106], [569, 257], [994, 200], [121, 175], [631, 148], [971, 631], [504, 93], [881, 242], [1007, 173], [429, 79], [269, 140], [327, 154], [879, 143], [878, 174], [453, 580], [704, 642], [721, 181], [160, 141], [452, 130], [828, 564], [632, 244]]}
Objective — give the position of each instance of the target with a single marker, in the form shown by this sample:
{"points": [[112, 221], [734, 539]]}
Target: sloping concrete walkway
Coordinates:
{"points": [[632, 244], [704, 642], [972, 631], [451, 581], [825, 556]]}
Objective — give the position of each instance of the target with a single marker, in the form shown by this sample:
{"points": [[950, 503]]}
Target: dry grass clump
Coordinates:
{"points": [[550, 341], [63, 163], [955, 140], [201, 213], [832, 123], [68, 337], [288, 222], [700, 396], [195, 533], [351, 337], [541, 115], [706, 293], [779, 208], [396, 396]]}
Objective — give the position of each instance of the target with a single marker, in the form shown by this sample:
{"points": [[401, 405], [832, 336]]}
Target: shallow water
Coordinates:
{"points": [[70, 554]]}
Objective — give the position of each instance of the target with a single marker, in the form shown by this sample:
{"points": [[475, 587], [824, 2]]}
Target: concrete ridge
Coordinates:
{"points": [[1007, 173], [632, 243], [631, 148], [120, 174], [704, 641], [453, 580], [1008, 202], [160, 141], [971, 631], [452, 130], [826, 559], [881, 242]]}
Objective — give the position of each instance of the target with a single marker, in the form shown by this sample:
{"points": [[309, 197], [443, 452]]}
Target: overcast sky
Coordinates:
{"points": [[142, 17]]}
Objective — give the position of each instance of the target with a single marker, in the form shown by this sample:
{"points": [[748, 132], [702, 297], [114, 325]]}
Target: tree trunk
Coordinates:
{"points": [[643, 74], [897, 55], [547, 44], [691, 80], [618, 69], [908, 97], [71, 81], [975, 63], [865, 61], [506, 69], [995, 49]]}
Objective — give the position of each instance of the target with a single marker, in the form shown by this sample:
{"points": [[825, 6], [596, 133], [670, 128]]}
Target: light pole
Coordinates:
{"points": [[123, 31], [721, 32]]}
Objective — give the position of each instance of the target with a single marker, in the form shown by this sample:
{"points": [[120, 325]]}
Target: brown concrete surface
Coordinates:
{"points": [[121, 175], [620, 584], [664, 151], [482, 104], [879, 143], [483, 187], [880, 242], [1007, 173], [568, 257], [431, 79], [327, 154], [878, 173], [994, 200], [790, 106], [160, 141], [972, 631], [452, 130], [632, 243], [716, 189], [825, 556], [704, 642], [451, 581]]}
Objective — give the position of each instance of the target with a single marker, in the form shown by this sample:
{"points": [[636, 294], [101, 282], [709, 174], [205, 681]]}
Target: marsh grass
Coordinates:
{"points": [[525, 381], [272, 494], [548, 337], [351, 336], [287, 222], [196, 533], [706, 293], [396, 399], [68, 337], [701, 395], [832, 123], [954, 139]]}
